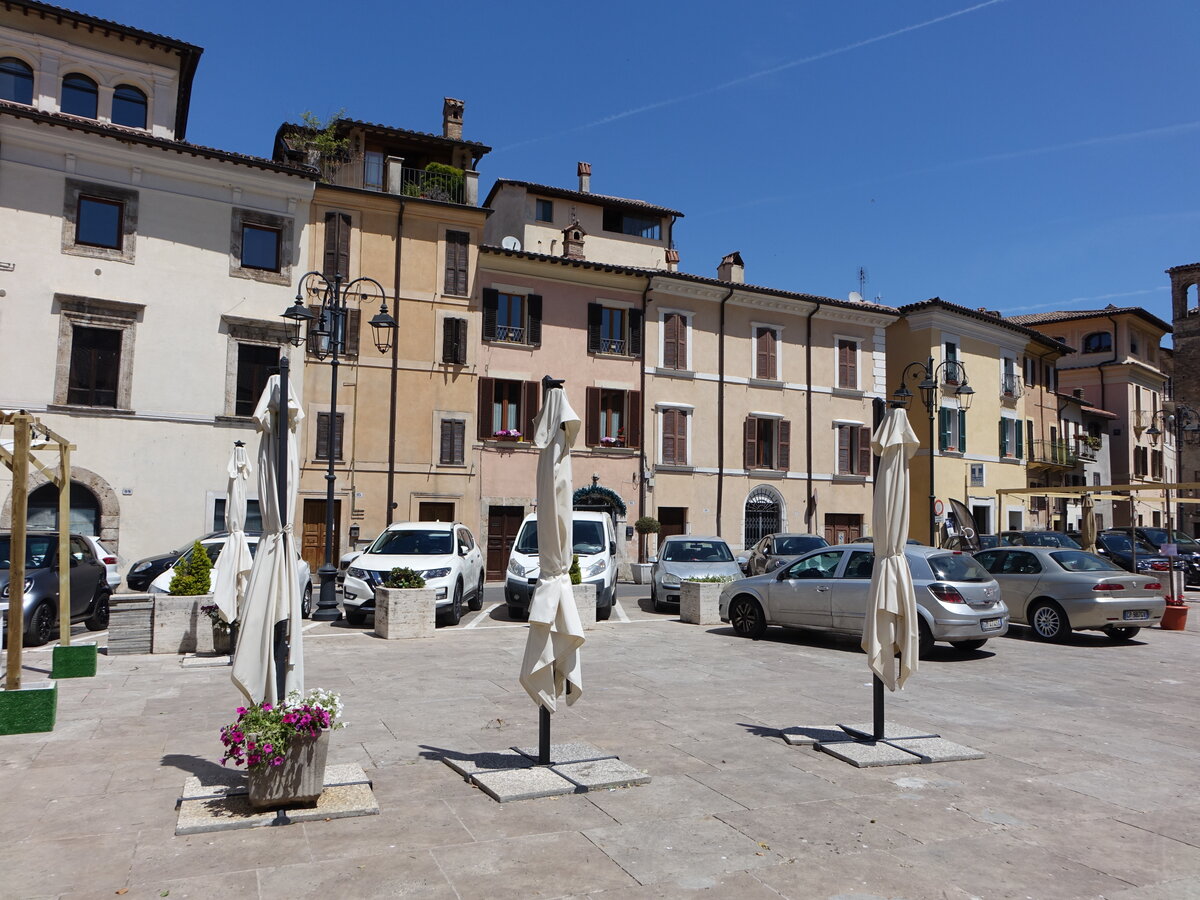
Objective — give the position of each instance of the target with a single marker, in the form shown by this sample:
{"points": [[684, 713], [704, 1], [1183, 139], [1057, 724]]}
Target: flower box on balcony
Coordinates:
{"points": [[510, 436]]}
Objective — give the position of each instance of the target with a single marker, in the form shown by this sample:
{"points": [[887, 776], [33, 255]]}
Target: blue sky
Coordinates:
{"points": [[1021, 155]]}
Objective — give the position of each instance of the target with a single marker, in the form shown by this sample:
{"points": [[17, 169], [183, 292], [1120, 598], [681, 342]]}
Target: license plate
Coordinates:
{"points": [[991, 624], [1134, 614]]}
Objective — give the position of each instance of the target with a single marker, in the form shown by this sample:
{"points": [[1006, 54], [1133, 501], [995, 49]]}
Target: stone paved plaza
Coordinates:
{"points": [[1089, 787]]}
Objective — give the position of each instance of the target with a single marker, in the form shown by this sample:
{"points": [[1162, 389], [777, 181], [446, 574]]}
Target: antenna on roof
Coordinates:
{"points": [[862, 281]]}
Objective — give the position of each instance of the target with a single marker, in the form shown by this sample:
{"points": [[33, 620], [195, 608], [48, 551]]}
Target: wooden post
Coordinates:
{"points": [[16, 574], [64, 547]]}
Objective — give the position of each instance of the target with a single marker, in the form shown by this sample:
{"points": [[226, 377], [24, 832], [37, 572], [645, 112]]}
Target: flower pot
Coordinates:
{"points": [[641, 572], [221, 642], [299, 779], [1174, 618]]}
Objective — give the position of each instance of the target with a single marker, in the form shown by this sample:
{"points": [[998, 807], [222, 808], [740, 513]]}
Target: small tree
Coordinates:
{"points": [[321, 139], [193, 573], [576, 575], [644, 526]]}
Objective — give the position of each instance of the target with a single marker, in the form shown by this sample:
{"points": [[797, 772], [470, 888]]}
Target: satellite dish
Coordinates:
{"points": [[510, 243], [855, 297]]}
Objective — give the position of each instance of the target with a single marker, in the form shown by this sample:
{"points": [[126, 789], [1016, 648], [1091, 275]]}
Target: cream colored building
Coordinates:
{"points": [[141, 277]]}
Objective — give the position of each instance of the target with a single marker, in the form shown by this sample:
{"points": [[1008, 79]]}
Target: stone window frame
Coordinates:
{"points": [[129, 219], [243, 330], [92, 312], [285, 225]]}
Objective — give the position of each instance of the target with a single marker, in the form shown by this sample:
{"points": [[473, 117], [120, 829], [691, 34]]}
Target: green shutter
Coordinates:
{"points": [[943, 429], [1020, 437], [1003, 440], [962, 430]]}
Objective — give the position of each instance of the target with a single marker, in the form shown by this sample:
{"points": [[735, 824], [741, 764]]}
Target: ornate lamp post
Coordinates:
{"points": [[930, 377], [1183, 423], [327, 340]]}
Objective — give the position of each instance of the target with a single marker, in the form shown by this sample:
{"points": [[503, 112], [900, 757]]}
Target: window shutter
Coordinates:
{"points": [[670, 358], [535, 319], [595, 320], [457, 243], [1003, 440], [785, 445], [943, 429], [591, 435], [843, 465], [460, 441], [1017, 431], [760, 366], [529, 408], [461, 339], [864, 450], [324, 438], [350, 338], [668, 435], [491, 311], [337, 245], [750, 448], [449, 340], [681, 442], [633, 418], [635, 332], [446, 455], [487, 396], [962, 432], [772, 368]]}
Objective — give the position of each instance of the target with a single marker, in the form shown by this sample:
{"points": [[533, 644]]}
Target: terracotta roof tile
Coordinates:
{"points": [[583, 196], [1068, 315]]}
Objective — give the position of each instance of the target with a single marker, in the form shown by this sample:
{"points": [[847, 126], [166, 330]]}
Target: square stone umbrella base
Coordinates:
{"points": [[901, 745], [220, 802], [575, 769]]}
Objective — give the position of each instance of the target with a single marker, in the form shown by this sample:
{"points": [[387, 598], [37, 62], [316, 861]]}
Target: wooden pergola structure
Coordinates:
{"points": [[30, 435]]}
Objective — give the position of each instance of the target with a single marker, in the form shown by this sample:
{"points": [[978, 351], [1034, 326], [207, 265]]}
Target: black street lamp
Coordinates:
{"points": [[951, 372], [1184, 424], [327, 338]]}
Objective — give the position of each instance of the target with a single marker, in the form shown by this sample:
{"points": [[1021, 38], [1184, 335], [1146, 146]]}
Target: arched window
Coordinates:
{"points": [[129, 106], [16, 81], [85, 509], [1097, 342], [79, 95], [764, 514]]}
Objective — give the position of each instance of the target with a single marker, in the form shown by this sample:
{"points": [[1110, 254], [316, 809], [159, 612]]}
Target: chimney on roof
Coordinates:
{"points": [[573, 236], [988, 312], [672, 260], [452, 118], [732, 268], [585, 178]]}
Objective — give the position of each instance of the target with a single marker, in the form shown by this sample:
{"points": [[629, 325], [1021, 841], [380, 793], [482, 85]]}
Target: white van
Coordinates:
{"points": [[594, 542]]}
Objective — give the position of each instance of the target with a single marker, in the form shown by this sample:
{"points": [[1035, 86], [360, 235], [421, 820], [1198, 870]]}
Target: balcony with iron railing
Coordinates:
{"points": [[953, 372], [1058, 453], [513, 334], [1010, 386], [388, 175]]}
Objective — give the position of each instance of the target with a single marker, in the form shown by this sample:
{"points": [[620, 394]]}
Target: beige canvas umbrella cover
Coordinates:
{"points": [[890, 629], [1087, 525], [232, 570], [555, 634], [273, 592]]}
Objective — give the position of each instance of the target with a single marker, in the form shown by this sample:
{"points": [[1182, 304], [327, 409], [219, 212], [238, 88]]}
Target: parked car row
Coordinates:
{"points": [[90, 584]]}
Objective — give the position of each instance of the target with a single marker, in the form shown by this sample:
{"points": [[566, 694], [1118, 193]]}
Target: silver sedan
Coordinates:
{"points": [[1055, 590], [957, 601]]}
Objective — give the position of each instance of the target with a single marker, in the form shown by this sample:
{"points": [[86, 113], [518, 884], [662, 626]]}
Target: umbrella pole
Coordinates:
{"points": [[877, 690], [282, 651], [543, 736]]}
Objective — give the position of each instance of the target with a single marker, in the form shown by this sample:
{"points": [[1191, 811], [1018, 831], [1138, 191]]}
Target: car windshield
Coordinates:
{"points": [[1121, 544], [1158, 537], [40, 551], [797, 544], [413, 542], [587, 538], [696, 551], [1078, 561], [957, 567]]}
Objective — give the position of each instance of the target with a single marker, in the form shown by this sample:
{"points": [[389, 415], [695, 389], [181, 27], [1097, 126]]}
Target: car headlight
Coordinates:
{"points": [[435, 573], [516, 568], [140, 567], [670, 580], [357, 573], [595, 569], [28, 588]]}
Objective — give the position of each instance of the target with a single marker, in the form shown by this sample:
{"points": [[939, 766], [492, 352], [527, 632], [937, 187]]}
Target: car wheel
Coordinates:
{"points": [[1048, 622], [454, 614], [476, 601], [604, 612], [98, 620], [973, 644], [1121, 632], [41, 625], [655, 603], [518, 613], [747, 619], [924, 639], [355, 617], [306, 603]]}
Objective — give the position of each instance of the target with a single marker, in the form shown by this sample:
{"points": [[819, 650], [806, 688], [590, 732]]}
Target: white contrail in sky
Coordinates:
{"points": [[762, 73]]}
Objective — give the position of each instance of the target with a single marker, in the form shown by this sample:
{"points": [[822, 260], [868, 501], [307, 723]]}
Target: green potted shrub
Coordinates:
{"points": [[644, 526], [193, 575]]}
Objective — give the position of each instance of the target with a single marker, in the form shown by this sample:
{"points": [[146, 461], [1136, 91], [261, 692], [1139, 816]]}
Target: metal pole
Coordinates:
{"points": [[877, 690], [282, 645], [64, 546], [327, 607], [543, 736]]}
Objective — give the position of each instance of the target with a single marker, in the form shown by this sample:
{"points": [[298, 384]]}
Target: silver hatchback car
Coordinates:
{"points": [[826, 590]]}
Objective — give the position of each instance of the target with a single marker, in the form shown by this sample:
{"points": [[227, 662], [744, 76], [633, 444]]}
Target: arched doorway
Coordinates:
{"points": [[85, 509], [600, 499], [764, 514]]}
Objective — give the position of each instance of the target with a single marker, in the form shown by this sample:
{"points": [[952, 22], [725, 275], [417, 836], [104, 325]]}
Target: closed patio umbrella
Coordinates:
{"points": [[891, 622], [232, 569], [273, 591], [1087, 525], [555, 634]]}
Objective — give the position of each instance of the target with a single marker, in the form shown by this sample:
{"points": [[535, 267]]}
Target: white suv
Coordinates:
{"points": [[444, 553], [593, 541]]}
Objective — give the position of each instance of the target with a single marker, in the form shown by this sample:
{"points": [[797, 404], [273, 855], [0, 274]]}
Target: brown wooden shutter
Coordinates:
{"points": [[844, 450], [766, 354], [750, 443], [324, 438], [595, 323], [460, 355], [633, 418], [449, 340], [460, 441], [487, 396], [671, 329], [635, 332], [591, 428], [337, 245], [864, 450], [529, 408], [785, 445], [681, 442], [491, 310], [457, 244], [668, 435], [353, 322], [535, 319], [446, 454]]}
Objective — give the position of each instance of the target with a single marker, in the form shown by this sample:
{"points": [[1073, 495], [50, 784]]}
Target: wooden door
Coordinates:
{"points": [[433, 511], [503, 522], [673, 520], [842, 528], [312, 533]]}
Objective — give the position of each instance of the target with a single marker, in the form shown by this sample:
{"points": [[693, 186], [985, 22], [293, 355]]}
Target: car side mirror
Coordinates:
{"points": [[651, 559], [612, 548]]}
